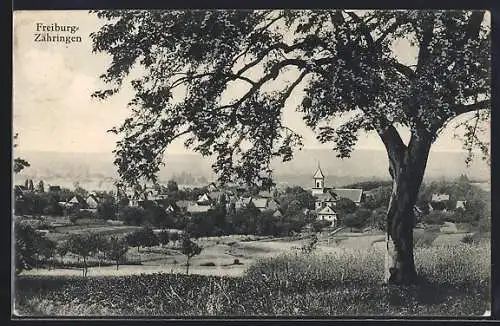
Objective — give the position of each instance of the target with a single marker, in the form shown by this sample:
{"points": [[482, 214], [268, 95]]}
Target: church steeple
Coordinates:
{"points": [[319, 173], [319, 181]]}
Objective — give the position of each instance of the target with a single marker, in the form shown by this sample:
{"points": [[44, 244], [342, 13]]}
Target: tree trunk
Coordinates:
{"points": [[187, 266], [406, 167], [117, 262], [84, 266]]}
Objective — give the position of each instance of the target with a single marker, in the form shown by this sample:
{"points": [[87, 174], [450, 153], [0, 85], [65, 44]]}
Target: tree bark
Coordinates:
{"points": [[406, 167]]}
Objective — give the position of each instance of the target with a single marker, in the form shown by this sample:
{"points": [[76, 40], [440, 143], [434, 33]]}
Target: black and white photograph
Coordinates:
{"points": [[267, 163]]}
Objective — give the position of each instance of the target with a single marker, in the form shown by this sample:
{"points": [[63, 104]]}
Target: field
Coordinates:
{"points": [[342, 276]]}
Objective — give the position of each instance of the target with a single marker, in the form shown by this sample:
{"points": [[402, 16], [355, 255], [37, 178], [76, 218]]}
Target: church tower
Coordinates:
{"points": [[319, 182]]}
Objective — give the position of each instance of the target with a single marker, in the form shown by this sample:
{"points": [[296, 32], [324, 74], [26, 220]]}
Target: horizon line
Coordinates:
{"points": [[195, 153]]}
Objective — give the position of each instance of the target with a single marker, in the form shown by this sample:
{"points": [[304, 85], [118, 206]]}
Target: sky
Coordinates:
{"points": [[53, 109]]}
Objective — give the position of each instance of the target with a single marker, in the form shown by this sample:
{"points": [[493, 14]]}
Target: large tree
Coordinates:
{"points": [[220, 80]]}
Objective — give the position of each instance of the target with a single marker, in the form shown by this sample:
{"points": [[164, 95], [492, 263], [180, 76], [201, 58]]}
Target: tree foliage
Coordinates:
{"points": [[19, 163], [220, 80], [344, 60], [116, 249], [28, 243], [189, 249], [83, 245]]}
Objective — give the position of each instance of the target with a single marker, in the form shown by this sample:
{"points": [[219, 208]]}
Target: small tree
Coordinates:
{"points": [[83, 245], [148, 238], [116, 250], [46, 248], [189, 249], [134, 239], [62, 249], [101, 247]]}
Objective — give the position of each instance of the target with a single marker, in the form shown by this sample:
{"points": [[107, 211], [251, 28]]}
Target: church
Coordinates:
{"points": [[326, 198]]}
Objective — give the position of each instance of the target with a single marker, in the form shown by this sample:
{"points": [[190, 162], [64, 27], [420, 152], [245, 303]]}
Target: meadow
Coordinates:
{"points": [[272, 279]]}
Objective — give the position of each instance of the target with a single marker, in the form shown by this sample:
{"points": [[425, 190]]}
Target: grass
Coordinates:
{"points": [[345, 283]]}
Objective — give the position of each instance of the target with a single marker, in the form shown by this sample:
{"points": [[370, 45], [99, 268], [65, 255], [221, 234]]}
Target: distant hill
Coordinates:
{"points": [[98, 169]]}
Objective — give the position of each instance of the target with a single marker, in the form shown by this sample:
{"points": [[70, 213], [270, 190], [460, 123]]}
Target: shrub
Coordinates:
{"points": [[321, 224], [468, 239], [236, 261], [435, 217]]}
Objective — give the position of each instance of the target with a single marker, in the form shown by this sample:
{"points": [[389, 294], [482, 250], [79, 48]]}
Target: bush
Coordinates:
{"points": [[236, 261], [435, 217], [320, 225], [468, 239]]}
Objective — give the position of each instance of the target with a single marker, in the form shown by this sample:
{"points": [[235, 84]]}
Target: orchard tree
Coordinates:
{"points": [[116, 249], [220, 80], [83, 245], [189, 249]]}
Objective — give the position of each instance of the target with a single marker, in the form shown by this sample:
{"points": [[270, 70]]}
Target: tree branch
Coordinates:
{"points": [[364, 29], [423, 51], [481, 105], [474, 24], [389, 30], [394, 146]]}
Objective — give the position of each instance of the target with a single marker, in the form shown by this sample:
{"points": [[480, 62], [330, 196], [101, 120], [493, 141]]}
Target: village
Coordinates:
{"points": [[232, 209]]}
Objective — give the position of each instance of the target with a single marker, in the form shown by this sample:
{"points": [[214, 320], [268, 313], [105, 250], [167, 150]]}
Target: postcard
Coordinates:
{"points": [[251, 163]]}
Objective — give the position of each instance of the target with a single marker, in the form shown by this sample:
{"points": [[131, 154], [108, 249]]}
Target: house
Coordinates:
{"points": [[265, 194], [204, 200], [438, 202], [197, 209], [440, 197], [77, 201], [171, 208], [92, 201], [243, 202], [216, 196], [327, 214], [460, 204], [356, 195], [212, 187], [277, 213], [260, 203], [325, 199], [272, 205]]}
